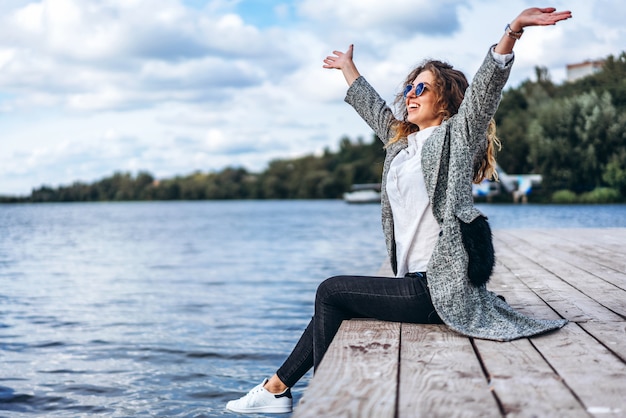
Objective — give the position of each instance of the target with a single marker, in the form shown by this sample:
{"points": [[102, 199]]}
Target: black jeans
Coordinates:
{"points": [[404, 299]]}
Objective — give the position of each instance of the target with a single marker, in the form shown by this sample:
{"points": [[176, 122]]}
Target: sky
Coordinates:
{"points": [[93, 87]]}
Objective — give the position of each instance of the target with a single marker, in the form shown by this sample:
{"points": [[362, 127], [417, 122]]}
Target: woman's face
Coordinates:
{"points": [[422, 110]]}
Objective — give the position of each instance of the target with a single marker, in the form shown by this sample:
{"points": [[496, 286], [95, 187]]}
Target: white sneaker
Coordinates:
{"points": [[260, 399]]}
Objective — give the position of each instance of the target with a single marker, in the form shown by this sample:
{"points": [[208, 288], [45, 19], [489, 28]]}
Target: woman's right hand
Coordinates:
{"points": [[339, 59], [343, 61]]}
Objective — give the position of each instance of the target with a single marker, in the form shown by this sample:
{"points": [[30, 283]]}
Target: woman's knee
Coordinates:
{"points": [[329, 288]]}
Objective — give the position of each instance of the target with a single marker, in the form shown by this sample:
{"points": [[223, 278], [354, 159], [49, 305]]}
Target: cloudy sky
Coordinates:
{"points": [[90, 87]]}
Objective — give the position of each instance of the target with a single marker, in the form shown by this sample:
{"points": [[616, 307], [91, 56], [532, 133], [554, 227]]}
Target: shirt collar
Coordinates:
{"points": [[420, 136]]}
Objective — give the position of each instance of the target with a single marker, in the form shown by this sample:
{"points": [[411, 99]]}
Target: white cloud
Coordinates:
{"points": [[88, 87], [30, 18]]}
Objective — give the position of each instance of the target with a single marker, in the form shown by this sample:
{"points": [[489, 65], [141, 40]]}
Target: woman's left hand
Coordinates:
{"points": [[534, 16], [539, 17]]}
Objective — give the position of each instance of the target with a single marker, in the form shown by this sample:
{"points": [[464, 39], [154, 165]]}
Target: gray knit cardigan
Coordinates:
{"points": [[448, 158]]}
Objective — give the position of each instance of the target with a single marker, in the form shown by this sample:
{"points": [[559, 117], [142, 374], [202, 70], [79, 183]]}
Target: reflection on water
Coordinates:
{"points": [[171, 309]]}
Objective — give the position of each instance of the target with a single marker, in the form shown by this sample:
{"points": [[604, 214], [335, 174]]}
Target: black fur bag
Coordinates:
{"points": [[478, 243]]}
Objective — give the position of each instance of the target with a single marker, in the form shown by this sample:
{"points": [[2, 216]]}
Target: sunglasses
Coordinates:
{"points": [[419, 89]]}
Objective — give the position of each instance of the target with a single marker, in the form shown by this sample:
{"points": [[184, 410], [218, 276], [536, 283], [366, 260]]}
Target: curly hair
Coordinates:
{"points": [[449, 89]]}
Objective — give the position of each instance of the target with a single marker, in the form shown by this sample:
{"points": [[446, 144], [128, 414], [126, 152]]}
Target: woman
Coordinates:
{"points": [[434, 154]]}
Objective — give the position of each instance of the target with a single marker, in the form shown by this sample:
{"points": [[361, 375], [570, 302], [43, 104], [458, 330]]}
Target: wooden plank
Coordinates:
{"points": [[524, 383], [440, 375], [609, 238], [605, 326], [584, 251], [611, 334], [530, 299], [603, 246], [358, 375], [558, 291], [385, 269], [587, 282], [548, 287], [596, 375]]}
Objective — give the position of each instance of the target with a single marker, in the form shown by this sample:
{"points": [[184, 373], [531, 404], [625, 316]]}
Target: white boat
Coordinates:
{"points": [[363, 193]]}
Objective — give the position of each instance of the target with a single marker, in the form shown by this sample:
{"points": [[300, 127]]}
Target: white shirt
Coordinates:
{"points": [[415, 228]]}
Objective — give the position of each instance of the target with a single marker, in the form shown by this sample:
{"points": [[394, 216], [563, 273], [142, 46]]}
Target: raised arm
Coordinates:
{"points": [[343, 61], [529, 17], [361, 96]]}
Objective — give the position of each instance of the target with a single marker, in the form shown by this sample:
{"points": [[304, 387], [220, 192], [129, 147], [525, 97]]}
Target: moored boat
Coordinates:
{"points": [[363, 193]]}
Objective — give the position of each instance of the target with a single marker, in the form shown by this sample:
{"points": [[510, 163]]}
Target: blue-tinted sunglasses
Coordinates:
{"points": [[419, 89]]}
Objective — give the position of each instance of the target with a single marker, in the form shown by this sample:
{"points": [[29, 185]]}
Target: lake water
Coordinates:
{"points": [[169, 309]]}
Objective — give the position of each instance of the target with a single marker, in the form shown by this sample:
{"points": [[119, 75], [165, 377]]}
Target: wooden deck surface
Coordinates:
{"points": [[385, 369]]}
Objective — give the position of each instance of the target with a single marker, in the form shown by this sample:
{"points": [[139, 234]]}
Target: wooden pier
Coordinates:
{"points": [[386, 369]]}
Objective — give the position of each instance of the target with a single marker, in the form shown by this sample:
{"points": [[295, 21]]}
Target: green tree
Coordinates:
{"points": [[573, 139]]}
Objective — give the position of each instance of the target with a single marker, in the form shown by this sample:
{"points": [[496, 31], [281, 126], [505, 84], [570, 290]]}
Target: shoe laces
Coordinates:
{"points": [[256, 390], [250, 398]]}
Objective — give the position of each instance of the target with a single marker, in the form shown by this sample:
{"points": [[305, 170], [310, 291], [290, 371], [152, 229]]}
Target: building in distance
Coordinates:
{"points": [[583, 69]]}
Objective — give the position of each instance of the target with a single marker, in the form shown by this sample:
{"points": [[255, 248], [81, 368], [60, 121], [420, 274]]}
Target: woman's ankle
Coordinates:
{"points": [[275, 385]]}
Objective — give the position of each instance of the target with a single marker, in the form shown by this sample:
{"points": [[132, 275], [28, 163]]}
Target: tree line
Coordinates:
{"points": [[310, 177], [573, 134]]}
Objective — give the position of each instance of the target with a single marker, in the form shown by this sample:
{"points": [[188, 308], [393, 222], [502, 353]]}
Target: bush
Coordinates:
{"points": [[601, 195], [564, 196]]}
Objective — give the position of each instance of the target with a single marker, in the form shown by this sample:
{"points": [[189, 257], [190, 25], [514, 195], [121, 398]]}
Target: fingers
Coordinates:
{"points": [[338, 58], [552, 18], [332, 58], [332, 62], [563, 15], [543, 17]]}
